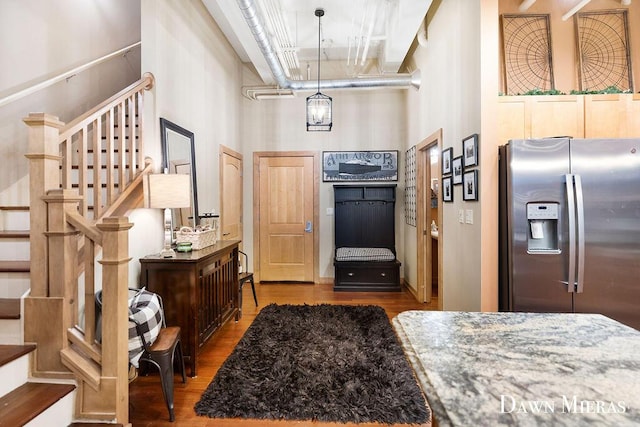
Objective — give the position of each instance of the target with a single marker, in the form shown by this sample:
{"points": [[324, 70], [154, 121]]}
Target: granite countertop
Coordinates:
{"points": [[525, 369]]}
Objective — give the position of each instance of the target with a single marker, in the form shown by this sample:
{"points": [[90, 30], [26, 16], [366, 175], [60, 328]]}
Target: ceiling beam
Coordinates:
{"points": [[526, 4], [575, 9]]}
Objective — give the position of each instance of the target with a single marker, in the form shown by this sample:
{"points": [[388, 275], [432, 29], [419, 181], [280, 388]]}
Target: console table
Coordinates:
{"points": [[199, 290]]}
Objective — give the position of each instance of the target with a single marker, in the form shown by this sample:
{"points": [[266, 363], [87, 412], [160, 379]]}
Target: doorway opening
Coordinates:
{"points": [[429, 219]]}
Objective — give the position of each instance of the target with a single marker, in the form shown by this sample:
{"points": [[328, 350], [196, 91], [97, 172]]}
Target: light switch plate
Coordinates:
{"points": [[469, 216], [329, 211], [461, 216]]}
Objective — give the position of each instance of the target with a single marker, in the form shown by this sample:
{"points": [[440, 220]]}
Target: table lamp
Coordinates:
{"points": [[167, 191]]}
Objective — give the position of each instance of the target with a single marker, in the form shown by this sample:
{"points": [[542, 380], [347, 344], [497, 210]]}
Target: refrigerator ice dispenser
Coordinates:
{"points": [[542, 236]]}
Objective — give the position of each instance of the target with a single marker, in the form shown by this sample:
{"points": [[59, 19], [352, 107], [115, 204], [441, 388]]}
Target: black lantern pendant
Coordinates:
{"points": [[319, 105]]}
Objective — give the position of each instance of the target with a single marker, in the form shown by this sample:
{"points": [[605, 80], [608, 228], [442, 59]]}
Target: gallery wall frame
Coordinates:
{"points": [[447, 189], [456, 166], [447, 156], [360, 166], [461, 170], [470, 151], [470, 185]]}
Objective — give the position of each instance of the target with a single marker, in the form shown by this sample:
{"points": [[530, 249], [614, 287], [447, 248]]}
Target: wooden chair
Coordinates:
{"points": [[162, 354], [246, 276]]}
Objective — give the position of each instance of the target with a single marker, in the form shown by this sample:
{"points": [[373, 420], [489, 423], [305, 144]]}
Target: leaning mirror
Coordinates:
{"points": [[178, 151]]}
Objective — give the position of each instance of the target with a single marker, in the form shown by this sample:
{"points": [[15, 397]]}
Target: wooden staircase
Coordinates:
{"points": [[93, 168], [34, 403], [30, 402], [14, 270]]}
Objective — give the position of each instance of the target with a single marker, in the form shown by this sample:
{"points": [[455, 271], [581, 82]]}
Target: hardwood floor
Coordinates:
{"points": [[147, 407]]}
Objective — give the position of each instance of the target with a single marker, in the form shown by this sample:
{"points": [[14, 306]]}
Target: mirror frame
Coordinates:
{"points": [[165, 126]]}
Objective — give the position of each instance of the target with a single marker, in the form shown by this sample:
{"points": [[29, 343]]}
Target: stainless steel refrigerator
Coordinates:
{"points": [[570, 227]]}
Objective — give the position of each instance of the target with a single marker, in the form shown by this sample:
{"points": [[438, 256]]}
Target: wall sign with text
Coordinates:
{"points": [[360, 165]]}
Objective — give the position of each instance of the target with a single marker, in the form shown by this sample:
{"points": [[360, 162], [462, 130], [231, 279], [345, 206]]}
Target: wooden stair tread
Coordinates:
{"points": [[94, 424], [14, 208], [9, 308], [29, 400], [15, 266], [103, 167], [103, 185], [9, 353], [104, 151], [13, 234], [115, 137]]}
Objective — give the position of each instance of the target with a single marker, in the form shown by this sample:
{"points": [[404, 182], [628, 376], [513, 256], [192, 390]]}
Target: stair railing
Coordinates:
{"points": [[82, 176], [104, 148]]}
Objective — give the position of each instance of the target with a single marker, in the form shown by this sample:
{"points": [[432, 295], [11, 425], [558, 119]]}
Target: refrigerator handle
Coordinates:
{"points": [[581, 236], [571, 213]]}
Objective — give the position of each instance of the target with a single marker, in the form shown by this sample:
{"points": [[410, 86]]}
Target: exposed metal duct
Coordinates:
{"points": [[258, 29]]}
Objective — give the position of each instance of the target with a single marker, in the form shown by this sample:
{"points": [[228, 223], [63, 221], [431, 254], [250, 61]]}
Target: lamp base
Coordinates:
{"points": [[167, 252]]}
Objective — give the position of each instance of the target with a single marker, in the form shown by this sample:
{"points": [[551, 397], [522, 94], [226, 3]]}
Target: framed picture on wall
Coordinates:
{"points": [[360, 165], [470, 151], [446, 161], [447, 189], [456, 165], [470, 185]]}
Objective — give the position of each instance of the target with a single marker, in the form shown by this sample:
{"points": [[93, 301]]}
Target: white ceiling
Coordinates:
{"points": [[382, 30]]}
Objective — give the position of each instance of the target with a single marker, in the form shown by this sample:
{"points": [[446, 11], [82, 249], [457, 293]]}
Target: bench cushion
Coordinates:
{"points": [[364, 254]]}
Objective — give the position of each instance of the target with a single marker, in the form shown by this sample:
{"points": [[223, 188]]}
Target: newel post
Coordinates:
{"points": [[49, 317], [115, 324], [44, 174]]}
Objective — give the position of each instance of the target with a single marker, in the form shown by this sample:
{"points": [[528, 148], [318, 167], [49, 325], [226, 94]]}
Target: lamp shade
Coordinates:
{"points": [[167, 191]]}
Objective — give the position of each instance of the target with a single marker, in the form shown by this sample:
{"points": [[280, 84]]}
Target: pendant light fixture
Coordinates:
{"points": [[319, 105]]}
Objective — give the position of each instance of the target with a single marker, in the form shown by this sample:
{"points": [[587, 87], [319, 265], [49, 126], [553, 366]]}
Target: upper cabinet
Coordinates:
{"points": [[578, 116], [612, 116]]}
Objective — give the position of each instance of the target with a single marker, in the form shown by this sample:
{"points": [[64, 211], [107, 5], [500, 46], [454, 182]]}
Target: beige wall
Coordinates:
{"points": [[198, 86], [198, 80], [449, 98], [563, 40], [362, 120], [489, 67], [42, 39]]}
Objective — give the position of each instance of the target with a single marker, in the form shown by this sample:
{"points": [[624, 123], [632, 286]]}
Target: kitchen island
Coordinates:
{"points": [[524, 369]]}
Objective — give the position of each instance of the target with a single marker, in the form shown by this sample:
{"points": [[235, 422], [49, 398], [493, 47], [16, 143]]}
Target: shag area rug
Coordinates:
{"points": [[317, 362]]}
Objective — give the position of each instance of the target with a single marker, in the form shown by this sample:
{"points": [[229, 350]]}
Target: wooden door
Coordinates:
{"points": [[231, 194], [287, 218]]}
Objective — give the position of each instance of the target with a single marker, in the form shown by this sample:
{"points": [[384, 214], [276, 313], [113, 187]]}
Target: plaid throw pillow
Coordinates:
{"points": [[144, 309]]}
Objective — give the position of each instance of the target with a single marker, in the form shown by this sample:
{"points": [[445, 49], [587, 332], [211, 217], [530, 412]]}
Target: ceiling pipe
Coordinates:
{"points": [[254, 20]]}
